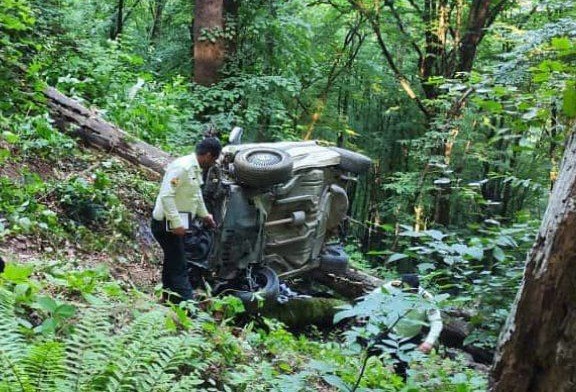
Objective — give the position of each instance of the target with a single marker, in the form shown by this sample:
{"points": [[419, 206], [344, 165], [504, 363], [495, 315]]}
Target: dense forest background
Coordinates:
{"points": [[464, 108]]}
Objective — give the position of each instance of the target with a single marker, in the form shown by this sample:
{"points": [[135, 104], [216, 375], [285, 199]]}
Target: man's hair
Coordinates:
{"points": [[211, 145], [411, 280]]}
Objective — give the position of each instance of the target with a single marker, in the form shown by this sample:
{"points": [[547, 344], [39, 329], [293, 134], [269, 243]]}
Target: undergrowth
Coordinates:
{"points": [[75, 329], [58, 196]]}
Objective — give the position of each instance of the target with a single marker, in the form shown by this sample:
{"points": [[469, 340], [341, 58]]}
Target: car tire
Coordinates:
{"points": [[352, 161], [334, 260], [262, 167], [267, 286], [197, 246]]}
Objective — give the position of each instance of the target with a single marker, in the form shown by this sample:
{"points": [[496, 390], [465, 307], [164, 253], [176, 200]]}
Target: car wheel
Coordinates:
{"points": [[197, 246], [334, 260], [262, 282], [262, 167], [352, 161]]}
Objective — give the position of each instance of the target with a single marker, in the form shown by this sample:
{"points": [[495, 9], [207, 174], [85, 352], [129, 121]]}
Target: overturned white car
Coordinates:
{"points": [[278, 208]]}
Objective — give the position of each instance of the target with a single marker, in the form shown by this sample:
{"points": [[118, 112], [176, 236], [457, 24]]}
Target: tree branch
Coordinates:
{"points": [[400, 25]]}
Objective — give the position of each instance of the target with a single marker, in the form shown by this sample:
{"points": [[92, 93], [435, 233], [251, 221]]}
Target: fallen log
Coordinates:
{"points": [[351, 285], [77, 120], [300, 312]]}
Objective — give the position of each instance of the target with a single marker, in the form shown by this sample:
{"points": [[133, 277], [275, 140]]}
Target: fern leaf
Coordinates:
{"points": [[45, 365], [131, 352], [87, 348], [13, 348]]}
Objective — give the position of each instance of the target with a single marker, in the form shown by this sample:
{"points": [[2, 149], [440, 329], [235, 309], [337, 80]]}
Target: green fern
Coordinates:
{"points": [[13, 347], [44, 365], [87, 348], [133, 352], [106, 350], [187, 383], [170, 353]]}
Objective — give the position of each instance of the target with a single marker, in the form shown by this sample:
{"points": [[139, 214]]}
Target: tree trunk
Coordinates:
{"points": [[117, 25], [209, 48], [157, 14], [75, 119], [351, 285], [299, 313], [536, 351]]}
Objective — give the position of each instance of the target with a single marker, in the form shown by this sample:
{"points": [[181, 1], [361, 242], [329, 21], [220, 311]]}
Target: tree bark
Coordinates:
{"points": [[351, 285], [75, 119], [209, 48], [118, 23], [298, 313], [536, 351], [157, 14]]}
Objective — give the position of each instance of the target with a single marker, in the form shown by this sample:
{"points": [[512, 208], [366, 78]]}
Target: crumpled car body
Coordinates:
{"points": [[279, 208]]}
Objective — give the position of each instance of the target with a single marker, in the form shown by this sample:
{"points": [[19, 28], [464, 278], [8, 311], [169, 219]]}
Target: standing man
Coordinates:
{"points": [[178, 203]]}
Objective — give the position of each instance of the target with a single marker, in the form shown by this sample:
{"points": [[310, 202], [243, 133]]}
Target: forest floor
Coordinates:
{"points": [[136, 264]]}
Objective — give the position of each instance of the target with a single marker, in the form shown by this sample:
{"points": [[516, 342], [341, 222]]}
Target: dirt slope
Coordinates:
{"points": [[132, 254]]}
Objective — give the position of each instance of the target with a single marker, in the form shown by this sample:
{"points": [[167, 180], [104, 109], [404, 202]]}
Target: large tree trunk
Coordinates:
{"points": [[351, 285], [536, 351], [209, 47]]}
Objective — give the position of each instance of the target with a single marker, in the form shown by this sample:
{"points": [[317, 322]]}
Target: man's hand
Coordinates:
{"points": [[425, 347], [179, 231], [209, 221]]}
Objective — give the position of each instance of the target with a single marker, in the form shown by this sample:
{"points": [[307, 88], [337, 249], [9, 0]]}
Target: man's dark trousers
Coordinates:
{"points": [[174, 271]]}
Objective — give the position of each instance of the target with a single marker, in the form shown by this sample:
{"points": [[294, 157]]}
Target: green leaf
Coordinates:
{"points": [[336, 381], [4, 154], [10, 137], [561, 44], [435, 234], [47, 304], [476, 252], [17, 273], [425, 267], [491, 106], [47, 327], [65, 311], [499, 253], [396, 256], [569, 101]]}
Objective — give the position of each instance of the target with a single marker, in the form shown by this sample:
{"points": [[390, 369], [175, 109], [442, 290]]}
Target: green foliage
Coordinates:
{"points": [[496, 137], [16, 47], [35, 136], [88, 201], [21, 212], [483, 271], [57, 314]]}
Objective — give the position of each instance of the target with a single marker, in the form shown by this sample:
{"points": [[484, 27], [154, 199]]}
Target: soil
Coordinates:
{"points": [[136, 263]]}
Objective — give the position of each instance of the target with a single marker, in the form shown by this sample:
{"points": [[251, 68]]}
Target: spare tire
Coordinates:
{"points": [[261, 167], [352, 161]]}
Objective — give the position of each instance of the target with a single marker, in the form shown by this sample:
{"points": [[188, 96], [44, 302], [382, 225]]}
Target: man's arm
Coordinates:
{"points": [[435, 321]]}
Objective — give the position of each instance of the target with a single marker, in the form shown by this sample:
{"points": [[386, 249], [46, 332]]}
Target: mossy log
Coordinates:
{"points": [[300, 312], [352, 284]]}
